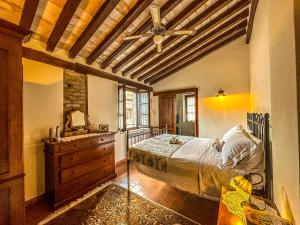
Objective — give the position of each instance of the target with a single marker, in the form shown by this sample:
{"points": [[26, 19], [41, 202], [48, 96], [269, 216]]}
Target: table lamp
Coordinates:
{"points": [[230, 209]]}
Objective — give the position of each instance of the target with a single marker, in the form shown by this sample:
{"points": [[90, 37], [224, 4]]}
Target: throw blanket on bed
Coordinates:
{"points": [[155, 152]]}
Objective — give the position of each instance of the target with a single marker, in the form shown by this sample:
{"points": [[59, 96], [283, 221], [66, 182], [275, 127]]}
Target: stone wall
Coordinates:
{"points": [[75, 92]]}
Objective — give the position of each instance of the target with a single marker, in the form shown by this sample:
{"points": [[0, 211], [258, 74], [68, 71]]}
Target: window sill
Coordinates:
{"points": [[136, 130]]}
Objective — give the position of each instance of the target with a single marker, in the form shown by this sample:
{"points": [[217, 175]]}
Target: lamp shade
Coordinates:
{"points": [[243, 185], [230, 209], [220, 93]]}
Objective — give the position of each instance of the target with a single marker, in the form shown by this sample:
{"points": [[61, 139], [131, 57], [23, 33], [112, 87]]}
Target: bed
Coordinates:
{"points": [[194, 165]]}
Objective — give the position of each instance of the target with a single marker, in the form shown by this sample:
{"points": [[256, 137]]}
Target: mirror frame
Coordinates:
{"points": [[80, 126], [77, 130]]}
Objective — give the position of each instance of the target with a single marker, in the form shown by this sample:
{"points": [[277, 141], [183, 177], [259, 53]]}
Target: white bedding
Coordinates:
{"points": [[196, 167]]}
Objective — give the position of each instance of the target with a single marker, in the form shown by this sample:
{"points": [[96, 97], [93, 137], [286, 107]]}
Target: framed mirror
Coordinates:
{"points": [[78, 119], [77, 123]]}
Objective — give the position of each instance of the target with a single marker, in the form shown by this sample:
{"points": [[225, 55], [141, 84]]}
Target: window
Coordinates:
{"points": [[136, 105], [190, 108], [131, 109], [143, 109]]}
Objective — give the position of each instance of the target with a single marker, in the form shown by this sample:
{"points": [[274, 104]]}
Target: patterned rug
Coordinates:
{"points": [[113, 205]]}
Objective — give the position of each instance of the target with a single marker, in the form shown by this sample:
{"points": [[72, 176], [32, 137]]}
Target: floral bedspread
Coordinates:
{"points": [[155, 152]]}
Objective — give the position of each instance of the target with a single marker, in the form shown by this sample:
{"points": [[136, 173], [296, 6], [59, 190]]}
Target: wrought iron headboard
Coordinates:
{"points": [[140, 135], [258, 123]]}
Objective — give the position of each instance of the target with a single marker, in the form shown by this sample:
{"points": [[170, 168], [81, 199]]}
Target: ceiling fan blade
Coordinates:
{"points": [[159, 48], [137, 36], [155, 13], [180, 32]]}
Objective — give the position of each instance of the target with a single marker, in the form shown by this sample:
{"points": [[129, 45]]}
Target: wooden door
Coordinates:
{"points": [[167, 112], [11, 126]]}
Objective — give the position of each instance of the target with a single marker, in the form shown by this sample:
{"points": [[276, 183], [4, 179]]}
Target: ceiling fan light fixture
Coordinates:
{"points": [[158, 39]]}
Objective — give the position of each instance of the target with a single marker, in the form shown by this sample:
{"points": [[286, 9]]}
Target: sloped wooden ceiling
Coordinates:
{"points": [[94, 30]]}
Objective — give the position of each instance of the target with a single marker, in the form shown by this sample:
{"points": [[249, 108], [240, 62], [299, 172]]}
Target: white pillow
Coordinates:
{"points": [[235, 150], [256, 156], [254, 163], [236, 130]]}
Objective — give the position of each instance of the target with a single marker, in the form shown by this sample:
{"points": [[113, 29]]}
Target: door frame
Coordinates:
{"points": [[173, 110], [181, 91]]}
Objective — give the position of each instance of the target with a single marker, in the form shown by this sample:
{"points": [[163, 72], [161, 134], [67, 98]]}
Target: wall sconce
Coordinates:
{"points": [[220, 93]]}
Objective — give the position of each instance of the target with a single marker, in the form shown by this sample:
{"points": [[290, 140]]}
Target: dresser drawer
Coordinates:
{"points": [[75, 146], [102, 139], [85, 181], [87, 167], [79, 157]]}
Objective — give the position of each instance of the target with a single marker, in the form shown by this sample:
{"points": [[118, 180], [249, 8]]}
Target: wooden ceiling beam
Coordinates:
{"points": [[93, 26], [144, 28], [202, 55], [13, 29], [192, 55], [194, 52], [62, 23], [253, 8], [28, 13], [79, 68], [196, 44], [43, 57], [133, 13], [207, 27], [185, 13], [193, 23]]}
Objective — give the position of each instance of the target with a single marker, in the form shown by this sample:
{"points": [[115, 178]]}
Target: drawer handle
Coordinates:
{"points": [[102, 139], [104, 148], [75, 146]]}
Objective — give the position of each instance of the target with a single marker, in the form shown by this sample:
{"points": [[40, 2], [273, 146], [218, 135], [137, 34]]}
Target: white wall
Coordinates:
{"points": [[259, 56], [227, 68], [103, 109], [274, 39], [43, 108]]}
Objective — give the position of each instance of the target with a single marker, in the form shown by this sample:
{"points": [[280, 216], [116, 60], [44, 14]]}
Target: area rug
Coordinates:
{"points": [[113, 205]]}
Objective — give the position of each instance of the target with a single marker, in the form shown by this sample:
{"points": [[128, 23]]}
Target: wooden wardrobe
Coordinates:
{"points": [[11, 125]]}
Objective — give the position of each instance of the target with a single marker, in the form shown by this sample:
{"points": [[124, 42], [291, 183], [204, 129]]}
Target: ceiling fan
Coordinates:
{"points": [[159, 31]]}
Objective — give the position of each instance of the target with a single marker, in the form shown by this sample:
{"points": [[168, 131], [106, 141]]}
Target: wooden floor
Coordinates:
{"points": [[198, 209]]}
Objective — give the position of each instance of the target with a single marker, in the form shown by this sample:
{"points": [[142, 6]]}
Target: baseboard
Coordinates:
{"points": [[35, 199], [121, 162]]}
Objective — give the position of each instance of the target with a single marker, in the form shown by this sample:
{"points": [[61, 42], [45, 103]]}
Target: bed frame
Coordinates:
{"points": [[258, 123]]}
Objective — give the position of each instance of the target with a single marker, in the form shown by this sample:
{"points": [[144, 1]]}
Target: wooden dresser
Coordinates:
{"points": [[74, 167]]}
